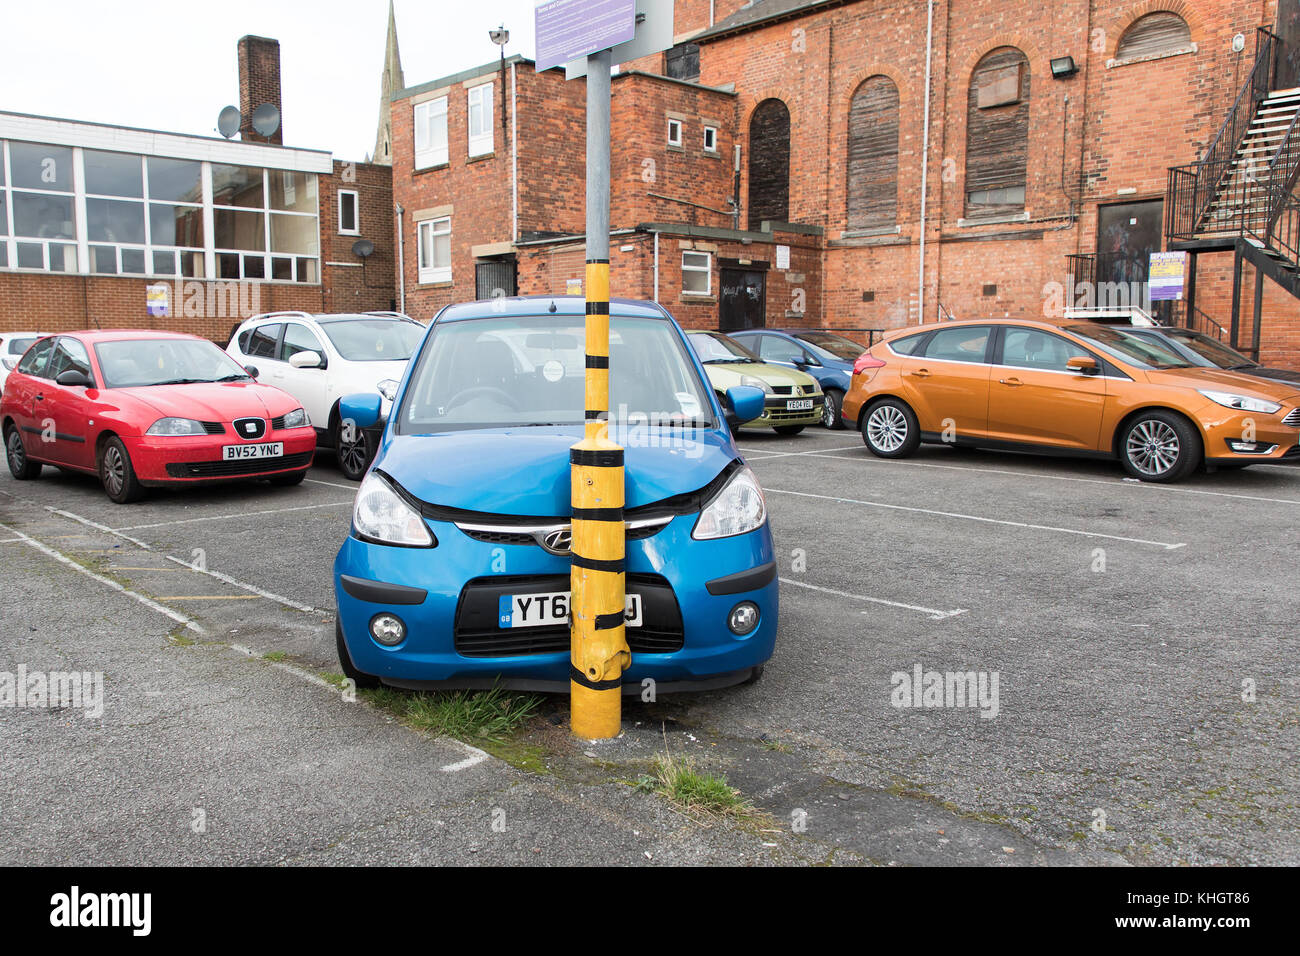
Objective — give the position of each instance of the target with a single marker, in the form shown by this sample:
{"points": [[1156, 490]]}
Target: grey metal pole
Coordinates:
{"points": [[598, 156]]}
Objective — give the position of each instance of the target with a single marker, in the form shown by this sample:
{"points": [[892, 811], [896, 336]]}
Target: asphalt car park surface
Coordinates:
{"points": [[1127, 625]]}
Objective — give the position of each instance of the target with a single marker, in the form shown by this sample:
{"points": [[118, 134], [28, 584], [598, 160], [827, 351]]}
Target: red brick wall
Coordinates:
{"points": [[354, 284], [259, 82]]}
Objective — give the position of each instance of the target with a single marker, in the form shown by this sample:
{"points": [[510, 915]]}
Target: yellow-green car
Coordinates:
{"points": [[793, 399]]}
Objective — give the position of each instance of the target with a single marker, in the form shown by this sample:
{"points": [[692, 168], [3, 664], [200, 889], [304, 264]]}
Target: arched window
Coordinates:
{"points": [[997, 135], [769, 163], [1154, 35], [873, 155]]}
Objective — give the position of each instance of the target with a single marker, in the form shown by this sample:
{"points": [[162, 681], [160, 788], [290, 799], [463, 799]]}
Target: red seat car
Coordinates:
{"points": [[143, 408]]}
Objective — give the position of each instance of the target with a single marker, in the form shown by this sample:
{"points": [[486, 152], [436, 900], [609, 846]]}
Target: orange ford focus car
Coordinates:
{"points": [[1074, 389]]}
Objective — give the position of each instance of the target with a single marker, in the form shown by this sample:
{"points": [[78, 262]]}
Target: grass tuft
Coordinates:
{"points": [[693, 789], [465, 715]]}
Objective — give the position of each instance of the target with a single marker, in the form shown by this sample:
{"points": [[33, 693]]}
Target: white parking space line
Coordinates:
{"points": [[97, 526], [306, 675], [794, 454], [147, 602], [475, 758], [868, 458], [333, 484], [252, 588], [246, 514], [932, 613], [950, 514]]}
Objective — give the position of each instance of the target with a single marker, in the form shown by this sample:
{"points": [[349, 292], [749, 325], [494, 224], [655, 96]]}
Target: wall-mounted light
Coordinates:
{"points": [[1063, 66]]}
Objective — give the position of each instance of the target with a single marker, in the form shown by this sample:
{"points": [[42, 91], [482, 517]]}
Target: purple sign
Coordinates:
{"points": [[571, 29]]}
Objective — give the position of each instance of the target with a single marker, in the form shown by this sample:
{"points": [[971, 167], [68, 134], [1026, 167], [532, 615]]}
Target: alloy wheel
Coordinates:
{"points": [[114, 470], [1153, 447], [887, 428], [17, 454]]}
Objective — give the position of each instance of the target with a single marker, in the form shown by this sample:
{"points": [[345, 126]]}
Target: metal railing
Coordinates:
{"points": [[1194, 189]]}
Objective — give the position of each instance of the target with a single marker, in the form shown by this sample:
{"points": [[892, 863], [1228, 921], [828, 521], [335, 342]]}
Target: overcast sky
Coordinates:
{"points": [[171, 64]]}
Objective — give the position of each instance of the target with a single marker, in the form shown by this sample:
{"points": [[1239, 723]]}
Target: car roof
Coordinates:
{"points": [[119, 335], [535, 305]]}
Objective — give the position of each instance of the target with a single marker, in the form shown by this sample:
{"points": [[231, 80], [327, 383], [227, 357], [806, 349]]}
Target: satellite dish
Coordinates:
{"points": [[266, 119], [228, 122], [363, 248]]}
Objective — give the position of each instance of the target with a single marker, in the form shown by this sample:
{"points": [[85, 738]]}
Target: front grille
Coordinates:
{"points": [[477, 633], [213, 428], [227, 469], [277, 423], [782, 389], [250, 429], [501, 537], [1293, 418], [779, 415]]}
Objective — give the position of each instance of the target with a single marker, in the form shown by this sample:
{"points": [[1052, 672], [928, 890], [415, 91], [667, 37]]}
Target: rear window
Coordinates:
{"points": [[906, 345], [19, 346], [374, 339]]}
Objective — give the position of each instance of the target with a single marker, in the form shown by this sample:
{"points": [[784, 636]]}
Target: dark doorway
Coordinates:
{"points": [[494, 277], [1127, 234], [769, 163], [743, 302], [1288, 28]]}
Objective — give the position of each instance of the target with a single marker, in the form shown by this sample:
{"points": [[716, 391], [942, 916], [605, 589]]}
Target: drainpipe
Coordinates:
{"points": [[401, 261], [514, 154], [656, 265], [925, 161]]}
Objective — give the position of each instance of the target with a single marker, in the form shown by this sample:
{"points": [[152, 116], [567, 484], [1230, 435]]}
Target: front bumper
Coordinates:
{"points": [[776, 412], [198, 458], [435, 651], [1238, 438]]}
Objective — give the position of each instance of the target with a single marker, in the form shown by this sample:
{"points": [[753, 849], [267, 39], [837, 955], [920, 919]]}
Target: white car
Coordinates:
{"points": [[318, 359], [12, 347]]}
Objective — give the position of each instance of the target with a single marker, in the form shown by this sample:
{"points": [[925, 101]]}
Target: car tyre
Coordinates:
{"points": [[754, 676], [1160, 446], [831, 416], [345, 661], [20, 466], [787, 429], [116, 473], [354, 456], [890, 429]]}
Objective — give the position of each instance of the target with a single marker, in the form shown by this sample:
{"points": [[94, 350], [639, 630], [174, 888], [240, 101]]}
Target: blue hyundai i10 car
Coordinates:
{"points": [[456, 571]]}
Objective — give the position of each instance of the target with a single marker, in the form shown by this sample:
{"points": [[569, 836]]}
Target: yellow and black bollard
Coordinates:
{"points": [[597, 579]]}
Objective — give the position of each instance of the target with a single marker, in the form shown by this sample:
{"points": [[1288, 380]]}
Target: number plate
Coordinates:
{"points": [[274, 449], [543, 610], [799, 405]]}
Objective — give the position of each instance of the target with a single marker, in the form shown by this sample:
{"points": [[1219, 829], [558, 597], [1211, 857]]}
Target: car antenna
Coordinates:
{"points": [[552, 308]]}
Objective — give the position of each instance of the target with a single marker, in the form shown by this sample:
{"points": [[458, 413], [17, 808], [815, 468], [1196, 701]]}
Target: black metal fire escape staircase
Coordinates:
{"points": [[1240, 195]]}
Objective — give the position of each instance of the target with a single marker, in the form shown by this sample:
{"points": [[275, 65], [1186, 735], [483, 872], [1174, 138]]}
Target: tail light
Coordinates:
{"points": [[865, 361]]}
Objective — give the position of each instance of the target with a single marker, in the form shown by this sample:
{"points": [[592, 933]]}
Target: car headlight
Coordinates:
{"points": [[1243, 403], [756, 383], [174, 427], [737, 509], [388, 388], [380, 515], [297, 419]]}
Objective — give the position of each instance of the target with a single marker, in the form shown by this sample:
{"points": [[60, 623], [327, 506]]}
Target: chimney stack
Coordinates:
{"points": [[259, 82]]}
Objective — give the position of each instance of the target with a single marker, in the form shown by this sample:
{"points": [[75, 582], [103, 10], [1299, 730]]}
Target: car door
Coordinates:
{"points": [[21, 389], [263, 352], [1035, 398], [66, 407], [308, 385], [947, 384], [779, 350]]}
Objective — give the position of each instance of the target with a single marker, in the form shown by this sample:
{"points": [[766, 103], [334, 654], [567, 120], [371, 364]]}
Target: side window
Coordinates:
{"points": [[68, 354], [37, 360], [262, 343], [299, 338], [1029, 348], [777, 349], [908, 343], [968, 343]]}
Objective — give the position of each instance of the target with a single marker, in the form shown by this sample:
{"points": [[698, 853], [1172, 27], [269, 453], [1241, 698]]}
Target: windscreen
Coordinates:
{"points": [[130, 363], [720, 348], [1206, 347], [374, 339], [1131, 348], [524, 371], [837, 345]]}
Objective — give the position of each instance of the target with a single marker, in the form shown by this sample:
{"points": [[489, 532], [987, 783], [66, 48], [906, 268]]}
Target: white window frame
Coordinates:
{"points": [[481, 143], [710, 132], [675, 140], [428, 272], [423, 116], [356, 212], [707, 269]]}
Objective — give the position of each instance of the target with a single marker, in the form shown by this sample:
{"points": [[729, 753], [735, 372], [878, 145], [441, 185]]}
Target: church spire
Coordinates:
{"points": [[392, 82]]}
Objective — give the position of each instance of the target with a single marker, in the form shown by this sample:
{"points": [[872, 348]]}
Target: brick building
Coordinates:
{"points": [[92, 216], [1044, 146]]}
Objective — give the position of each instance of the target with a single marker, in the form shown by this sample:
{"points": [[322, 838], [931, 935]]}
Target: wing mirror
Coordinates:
{"points": [[75, 378], [743, 404], [1085, 364], [361, 409], [251, 370], [307, 359]]}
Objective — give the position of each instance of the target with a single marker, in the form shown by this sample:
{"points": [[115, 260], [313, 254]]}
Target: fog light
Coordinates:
{"points": [[1251, 447], [387, 629], [743, 618]]}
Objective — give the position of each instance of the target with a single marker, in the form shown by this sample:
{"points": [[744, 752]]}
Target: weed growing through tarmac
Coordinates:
{"points": [[465, 715], [692, 789]]}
